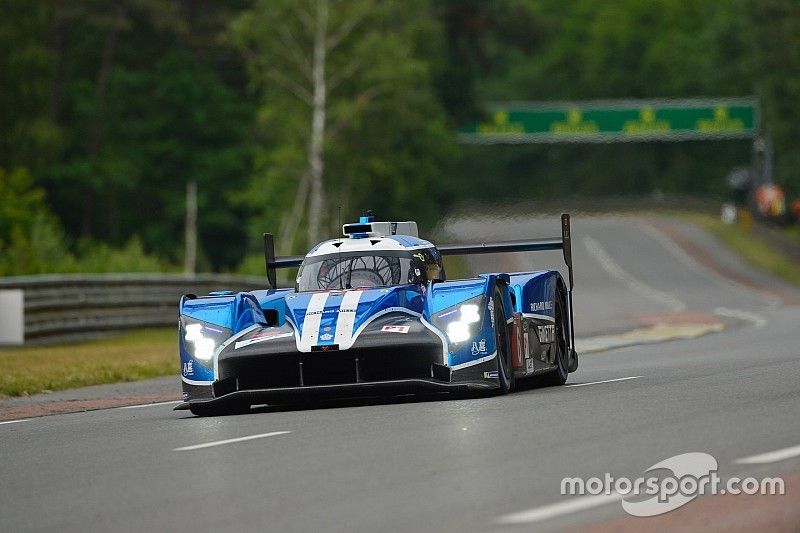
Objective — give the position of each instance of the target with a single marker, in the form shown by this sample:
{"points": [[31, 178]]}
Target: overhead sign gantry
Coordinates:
{"points": [[607, 121]]}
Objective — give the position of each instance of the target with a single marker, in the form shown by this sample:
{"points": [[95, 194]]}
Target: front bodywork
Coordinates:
{"points": [[277, 345]]}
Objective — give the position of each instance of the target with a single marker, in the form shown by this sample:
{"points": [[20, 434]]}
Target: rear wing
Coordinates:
{"points": [[529, 245], [563, 243], [533, 245]]}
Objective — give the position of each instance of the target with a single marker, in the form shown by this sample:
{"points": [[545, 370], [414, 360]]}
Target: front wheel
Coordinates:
{"points": [[505, 370]]}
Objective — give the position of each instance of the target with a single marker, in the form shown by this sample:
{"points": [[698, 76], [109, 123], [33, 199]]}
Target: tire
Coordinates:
{"points": [[505, 370], [561, 373], [223, 409]]}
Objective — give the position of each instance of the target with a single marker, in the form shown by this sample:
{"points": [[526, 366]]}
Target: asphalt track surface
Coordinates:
{"points": [[469, 464]]}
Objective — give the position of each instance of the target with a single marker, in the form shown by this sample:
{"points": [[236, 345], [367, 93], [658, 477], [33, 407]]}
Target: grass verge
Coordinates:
{"points": [[128, 356], [749, 246]]}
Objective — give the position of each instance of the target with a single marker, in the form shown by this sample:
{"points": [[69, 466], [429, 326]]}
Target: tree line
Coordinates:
{"points": [[286, 113]]}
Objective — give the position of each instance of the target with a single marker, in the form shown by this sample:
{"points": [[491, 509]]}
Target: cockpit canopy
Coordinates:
{"points": [[362, 269]]}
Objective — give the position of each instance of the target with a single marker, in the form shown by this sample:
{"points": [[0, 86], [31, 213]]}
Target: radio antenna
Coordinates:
{"points": [[339, 250]]}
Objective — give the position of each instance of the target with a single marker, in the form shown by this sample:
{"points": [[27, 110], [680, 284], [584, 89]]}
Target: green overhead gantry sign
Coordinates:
{"points": [[616, 121]]}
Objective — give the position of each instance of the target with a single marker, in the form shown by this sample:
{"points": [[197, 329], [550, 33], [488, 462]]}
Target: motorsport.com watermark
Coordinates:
{"points": [[669, 484]]}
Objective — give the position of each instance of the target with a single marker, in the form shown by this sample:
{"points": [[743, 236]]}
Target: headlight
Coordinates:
{"points": [[461, 320], [201, 340]]}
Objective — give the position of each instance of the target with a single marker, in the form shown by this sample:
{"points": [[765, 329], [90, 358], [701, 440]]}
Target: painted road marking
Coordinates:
{"points": [[548, 512], [757, 320], [229, 441], [172, 402], [770, 457], [603, 381], [14, 421], [634, 284]]}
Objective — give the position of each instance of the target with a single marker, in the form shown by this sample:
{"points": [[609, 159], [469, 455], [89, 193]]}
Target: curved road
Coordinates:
{"points": [[480, 464]]}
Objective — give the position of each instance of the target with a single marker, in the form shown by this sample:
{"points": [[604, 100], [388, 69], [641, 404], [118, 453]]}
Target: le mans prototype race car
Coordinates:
{"points": [[373, 313]]}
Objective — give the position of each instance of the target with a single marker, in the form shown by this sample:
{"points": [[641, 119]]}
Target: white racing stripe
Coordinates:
{"points": [[14, 421], [548, 512], [346, 319], [633, 283], [312, 321], [757, 320], [538, 317], [171, 402], [196, 382], [770, 457], [229, 441], [225, 345], [474, 362], [445, 345], [603, 381]]}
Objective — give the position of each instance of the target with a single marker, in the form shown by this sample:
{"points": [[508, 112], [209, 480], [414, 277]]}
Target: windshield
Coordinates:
{"points": [[361, 269]]}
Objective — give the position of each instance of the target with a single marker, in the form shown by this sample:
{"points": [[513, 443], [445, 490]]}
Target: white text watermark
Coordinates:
{"points": [[671, 483]]}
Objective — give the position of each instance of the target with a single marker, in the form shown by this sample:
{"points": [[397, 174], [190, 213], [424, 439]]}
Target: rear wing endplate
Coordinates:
{"points": [[531, 245], [274, 263]]}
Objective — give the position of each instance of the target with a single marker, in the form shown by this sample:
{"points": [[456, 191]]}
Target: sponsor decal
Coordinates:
{"points": [[528, 365], [479, 347], [491, 375], [261, 337], [188, 368], [325, 337], [547, 334], [396, 329], [491, 311], [325, 348], [541, 306], [185, 396]]}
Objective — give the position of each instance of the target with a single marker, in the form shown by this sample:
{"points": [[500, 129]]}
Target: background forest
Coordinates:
{"points": [[280, 111]]}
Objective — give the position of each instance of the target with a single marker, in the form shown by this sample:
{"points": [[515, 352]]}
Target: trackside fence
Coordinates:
{"points": [[50, 308]]}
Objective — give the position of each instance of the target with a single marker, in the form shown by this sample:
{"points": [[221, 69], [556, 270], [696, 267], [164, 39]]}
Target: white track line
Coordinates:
{"points": [[634, 284], [172, 402], [14, 421], [604, 381], [547, 512], [770, 457], [757, 320], [229, 441]]}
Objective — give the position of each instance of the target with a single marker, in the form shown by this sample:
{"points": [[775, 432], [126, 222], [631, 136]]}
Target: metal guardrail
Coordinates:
{"points": [[58, 307]]}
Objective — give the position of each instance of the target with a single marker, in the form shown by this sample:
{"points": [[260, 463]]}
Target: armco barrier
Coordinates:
{"points": [[56, 307]]}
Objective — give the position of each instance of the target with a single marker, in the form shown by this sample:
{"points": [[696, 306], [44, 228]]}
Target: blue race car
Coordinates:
{"points": [[373, 313]]}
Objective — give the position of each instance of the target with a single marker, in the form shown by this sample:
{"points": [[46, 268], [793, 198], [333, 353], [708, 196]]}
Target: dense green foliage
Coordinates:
{"points": [[108, 109]]}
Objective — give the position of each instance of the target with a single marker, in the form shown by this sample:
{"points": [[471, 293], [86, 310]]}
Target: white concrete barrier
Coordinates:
{"points": [[12, 316]]}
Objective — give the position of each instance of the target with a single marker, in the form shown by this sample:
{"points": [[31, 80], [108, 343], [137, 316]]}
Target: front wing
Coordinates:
{"points": [[398, 354]]}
